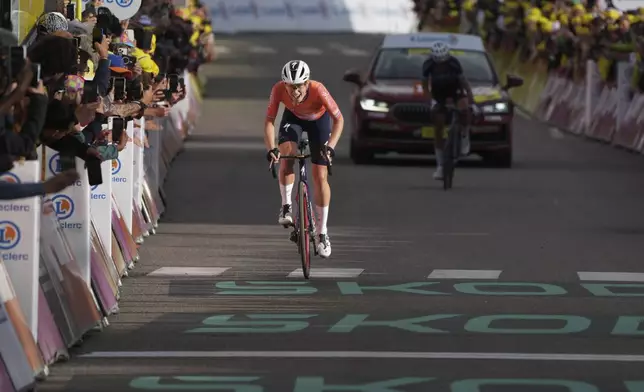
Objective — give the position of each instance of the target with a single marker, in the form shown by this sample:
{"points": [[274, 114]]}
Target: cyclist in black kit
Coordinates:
{"points": [[444, 82]]}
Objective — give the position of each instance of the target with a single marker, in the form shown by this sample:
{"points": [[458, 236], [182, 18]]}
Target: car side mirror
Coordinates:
{"points": [[352, 76], [513, 81]]}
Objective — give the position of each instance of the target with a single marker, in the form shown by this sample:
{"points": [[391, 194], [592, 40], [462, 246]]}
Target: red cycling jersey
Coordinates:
{"points": [[312, 108]]}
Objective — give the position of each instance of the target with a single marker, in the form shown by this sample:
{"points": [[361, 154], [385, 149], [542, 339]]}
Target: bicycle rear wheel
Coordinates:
{"points": [[304, 237], [448, 160]]}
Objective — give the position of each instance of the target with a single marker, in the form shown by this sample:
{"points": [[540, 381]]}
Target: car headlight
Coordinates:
{"points": [[372, 105], [499, 107]]}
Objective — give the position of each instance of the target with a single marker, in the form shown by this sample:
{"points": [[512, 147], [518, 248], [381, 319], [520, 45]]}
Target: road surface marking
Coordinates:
{"points": [[555, 133], [309, 51], [262, 50], [464, 274], [369, 355], [461, 234], [188, 271], [612, 276], [222, 49], [329, 273], [354, 52]]}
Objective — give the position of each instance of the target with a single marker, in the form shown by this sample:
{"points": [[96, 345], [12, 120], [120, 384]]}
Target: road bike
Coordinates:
{"points": [[304, 232], [419, 114]]}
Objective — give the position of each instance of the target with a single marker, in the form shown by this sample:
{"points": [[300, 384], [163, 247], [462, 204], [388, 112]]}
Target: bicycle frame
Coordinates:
{"points": [[303, 178]]}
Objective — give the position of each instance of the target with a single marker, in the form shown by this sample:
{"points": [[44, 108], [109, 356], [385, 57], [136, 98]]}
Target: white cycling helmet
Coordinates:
{"points": [[440, 51], [295, 72]]}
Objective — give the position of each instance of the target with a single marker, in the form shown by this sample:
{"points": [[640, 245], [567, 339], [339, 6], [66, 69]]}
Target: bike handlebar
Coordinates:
{"points": [[299, 156]]}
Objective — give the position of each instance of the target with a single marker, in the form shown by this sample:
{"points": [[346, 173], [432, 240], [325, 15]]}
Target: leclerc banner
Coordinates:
{"points": [[360, 16]]}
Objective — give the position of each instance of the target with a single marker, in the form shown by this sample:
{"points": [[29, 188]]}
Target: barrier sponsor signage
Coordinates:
{"points": [[138, 161], [122, 178], [48, 243], [123, 9], [72, 208], [20, 240], [101, 206], [11, 349], [377, 16]]}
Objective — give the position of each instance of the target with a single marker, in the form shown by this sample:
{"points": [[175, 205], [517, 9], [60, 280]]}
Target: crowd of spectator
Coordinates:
{"points": [[560, 34], [78, 82]]}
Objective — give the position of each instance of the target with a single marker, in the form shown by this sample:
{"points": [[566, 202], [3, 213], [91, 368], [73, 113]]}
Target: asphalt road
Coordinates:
{"points": [[522, 319]]}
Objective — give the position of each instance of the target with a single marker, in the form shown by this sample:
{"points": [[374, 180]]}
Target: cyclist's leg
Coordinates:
{"points": [[465, 119], [288, 136], [438, 121], [319, 132]]}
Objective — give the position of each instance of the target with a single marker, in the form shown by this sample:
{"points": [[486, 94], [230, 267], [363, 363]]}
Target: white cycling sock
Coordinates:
{"points": [[322, 215], [286, 191], [439, 157]]}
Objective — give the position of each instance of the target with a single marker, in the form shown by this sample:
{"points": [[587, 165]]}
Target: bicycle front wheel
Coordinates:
{"points": [[304, 239], [450, 154]]}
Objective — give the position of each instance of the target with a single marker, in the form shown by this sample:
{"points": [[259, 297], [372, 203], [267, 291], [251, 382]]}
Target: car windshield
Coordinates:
{"points": [[407, 64]]}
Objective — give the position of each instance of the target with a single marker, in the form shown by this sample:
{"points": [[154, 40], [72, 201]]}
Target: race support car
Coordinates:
{"points": [[394, 76]]}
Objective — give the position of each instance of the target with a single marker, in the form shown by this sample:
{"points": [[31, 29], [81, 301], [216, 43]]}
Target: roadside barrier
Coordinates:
{"points": [[361, 16], [64, 256], [587, 107]]}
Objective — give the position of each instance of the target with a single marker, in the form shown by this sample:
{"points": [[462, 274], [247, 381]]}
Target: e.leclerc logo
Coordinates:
{"points": [[116, 168], [97, 195], [55, 167], [16, 205], [54, 164], [10, 177], [64, 209], [9, 239]]}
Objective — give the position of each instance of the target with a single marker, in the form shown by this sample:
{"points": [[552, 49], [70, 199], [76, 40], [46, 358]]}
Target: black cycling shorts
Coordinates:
{"points": [[441, 97], [318, 132]]}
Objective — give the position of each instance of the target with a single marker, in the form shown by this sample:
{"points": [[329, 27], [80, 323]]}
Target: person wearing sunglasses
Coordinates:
{"points": [[310, 108]]}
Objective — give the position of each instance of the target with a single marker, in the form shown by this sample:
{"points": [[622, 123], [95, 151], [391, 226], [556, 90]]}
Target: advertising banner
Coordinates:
{"points": [[20, 240]]}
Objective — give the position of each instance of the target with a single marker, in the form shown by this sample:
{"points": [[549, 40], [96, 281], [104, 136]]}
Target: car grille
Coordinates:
{"points": [[412, 113]]}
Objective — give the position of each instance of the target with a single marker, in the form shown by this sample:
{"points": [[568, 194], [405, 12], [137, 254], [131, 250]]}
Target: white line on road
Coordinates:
{"points": [[555, 133], [309, 51], [329, 273], [262, 50], [369, 355], [221, 49], [461, 234], [354, 52], [188, 271], [611, 276], [464, 274]]}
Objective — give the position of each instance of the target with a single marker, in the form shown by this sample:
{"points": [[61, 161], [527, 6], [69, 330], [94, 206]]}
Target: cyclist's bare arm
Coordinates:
{"points": [[466, 86], [338, 120], [271, 114], [269, 134], [427, 90]]}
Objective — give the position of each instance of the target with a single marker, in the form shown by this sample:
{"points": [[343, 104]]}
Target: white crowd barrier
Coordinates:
{"points": [[613, 115], [64, 255], [360, 16]]}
